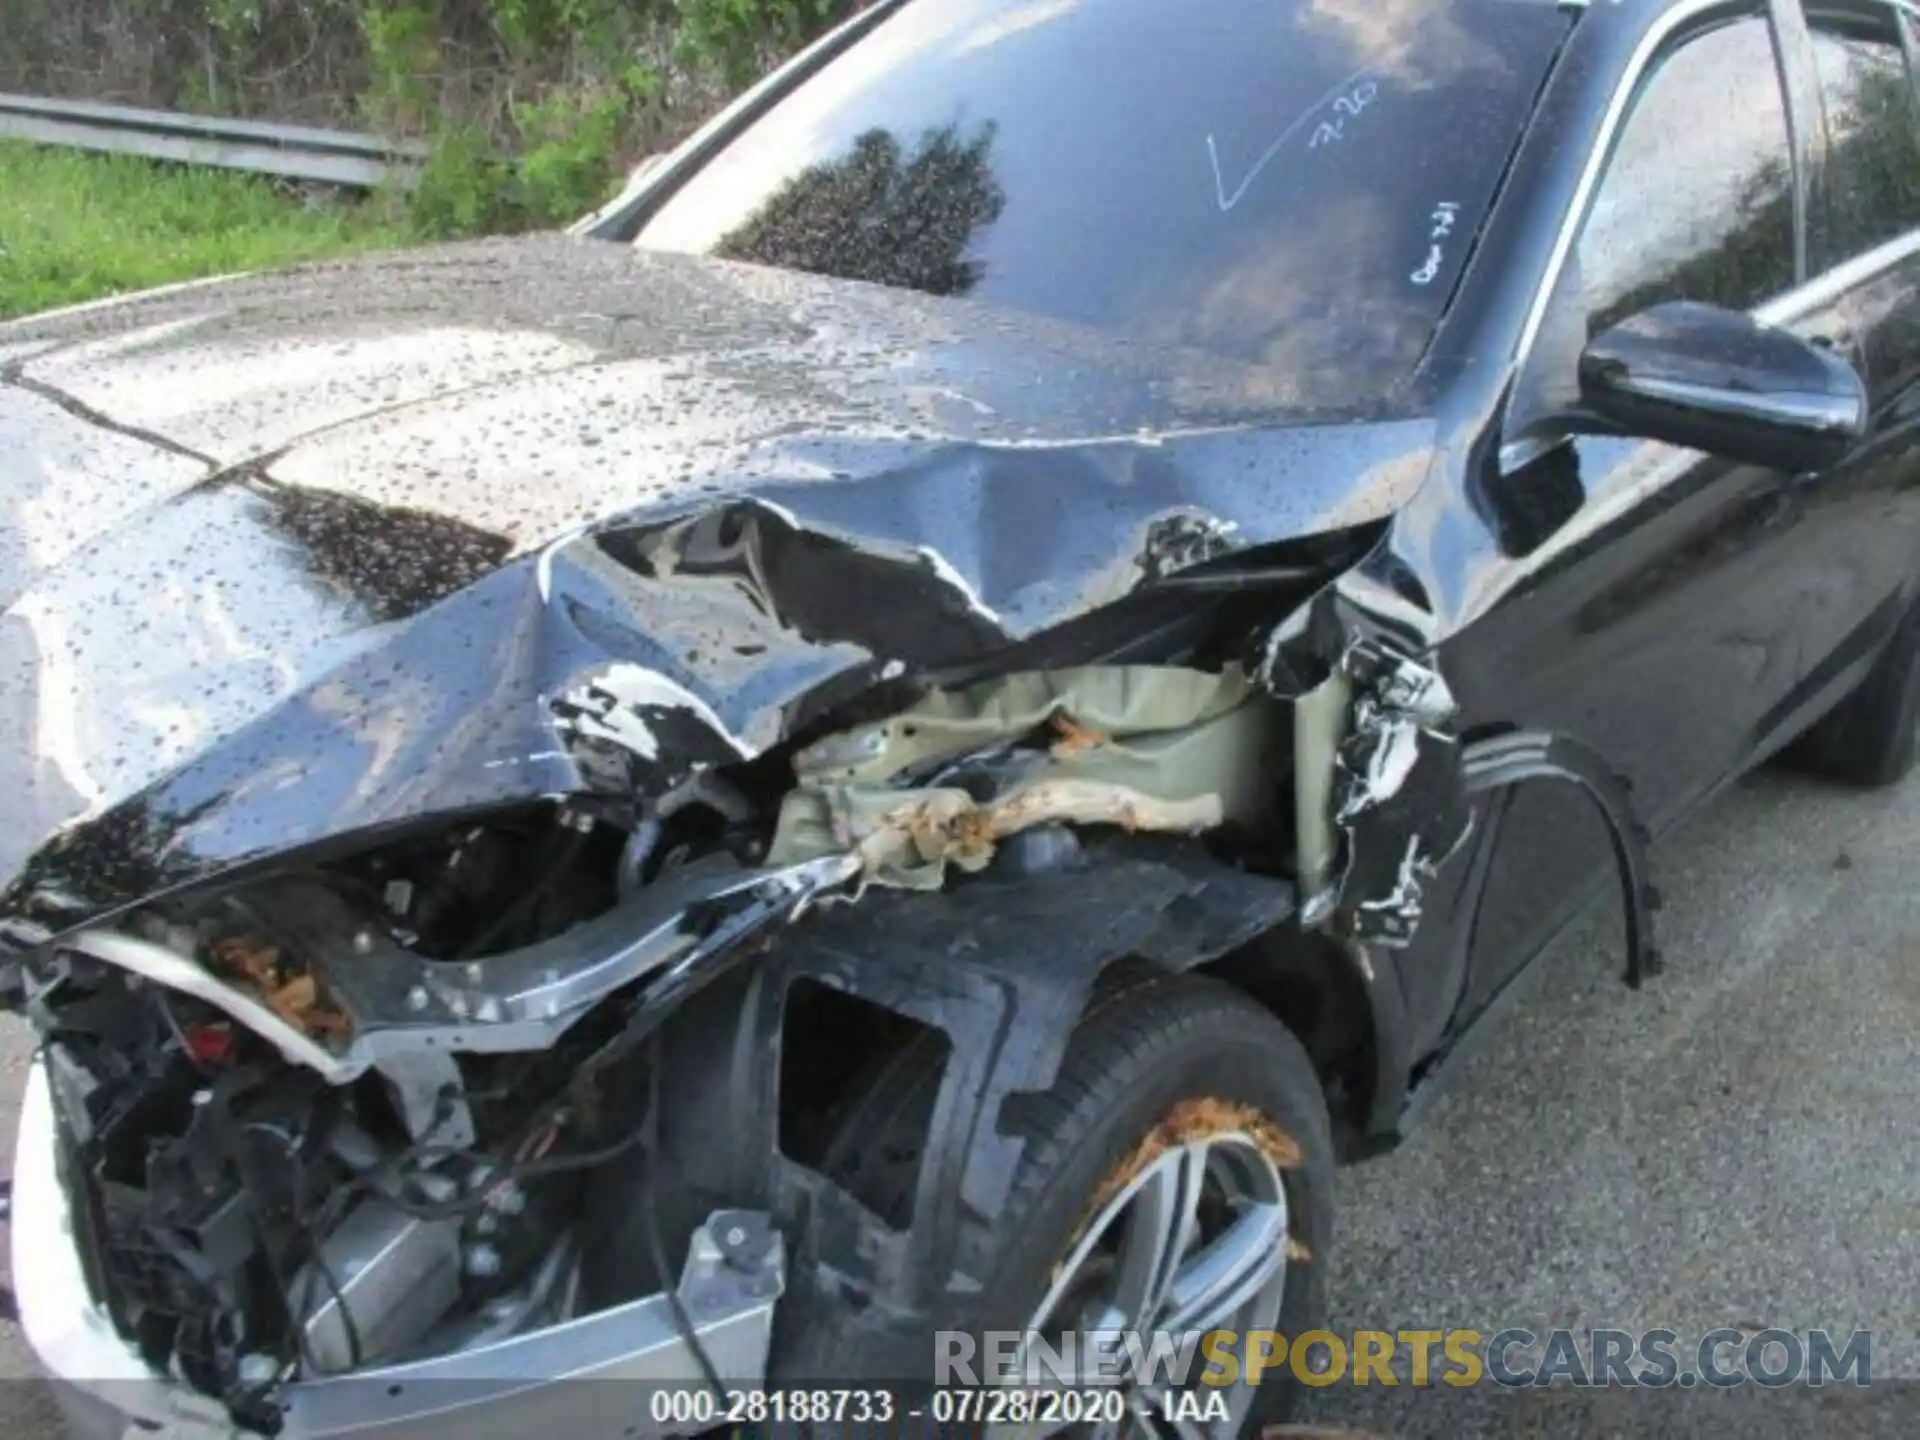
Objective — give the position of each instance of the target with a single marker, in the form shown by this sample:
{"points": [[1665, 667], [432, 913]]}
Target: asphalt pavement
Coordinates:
{"points": [[1737, 1145]]}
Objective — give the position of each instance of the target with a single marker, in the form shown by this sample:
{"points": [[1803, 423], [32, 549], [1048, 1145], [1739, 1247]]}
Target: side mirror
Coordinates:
{"points": [[1719, 381]]}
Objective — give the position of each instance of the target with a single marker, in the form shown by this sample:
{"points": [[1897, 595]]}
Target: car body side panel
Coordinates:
{"points": [[1606, 589], [1662, 643], [1883, 497], [1645, 601]]}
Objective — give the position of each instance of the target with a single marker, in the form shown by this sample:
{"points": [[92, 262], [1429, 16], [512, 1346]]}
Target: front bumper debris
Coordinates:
{"points": [[538, 1383]]}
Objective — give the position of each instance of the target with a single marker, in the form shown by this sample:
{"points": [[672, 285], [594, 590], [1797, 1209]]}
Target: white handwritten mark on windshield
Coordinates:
{"points": [[1347, 107], [1351, 96], [1445, 215]]}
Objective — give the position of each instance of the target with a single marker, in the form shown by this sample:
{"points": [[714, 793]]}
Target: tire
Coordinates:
{"points": [[1868, 739], [1163, 1057]]}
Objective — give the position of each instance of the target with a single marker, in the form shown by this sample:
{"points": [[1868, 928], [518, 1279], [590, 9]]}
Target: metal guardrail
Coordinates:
{"points": [[293, 152]]}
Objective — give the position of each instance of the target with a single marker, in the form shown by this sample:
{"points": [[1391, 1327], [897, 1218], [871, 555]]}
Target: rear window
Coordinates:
{"points": [[1295, 182]]}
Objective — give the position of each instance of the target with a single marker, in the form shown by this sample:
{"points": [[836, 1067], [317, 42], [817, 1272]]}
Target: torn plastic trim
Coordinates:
{"points": [[1511, 759], [398, 1003]]}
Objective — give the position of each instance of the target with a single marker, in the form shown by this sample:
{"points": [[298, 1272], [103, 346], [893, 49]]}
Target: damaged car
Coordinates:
{"points": [[912, 733]]}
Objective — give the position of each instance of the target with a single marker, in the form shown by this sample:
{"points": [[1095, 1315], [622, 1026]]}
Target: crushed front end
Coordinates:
{"points": [[289, 1165], [455, 913], [315, 1150]]}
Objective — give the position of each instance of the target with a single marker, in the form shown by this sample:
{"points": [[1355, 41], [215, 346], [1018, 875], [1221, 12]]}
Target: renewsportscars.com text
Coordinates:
{"points": [[1512, 1357]]}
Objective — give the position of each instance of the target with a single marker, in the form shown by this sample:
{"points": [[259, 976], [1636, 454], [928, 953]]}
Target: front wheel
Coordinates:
{"points": [[1176, 1181]]}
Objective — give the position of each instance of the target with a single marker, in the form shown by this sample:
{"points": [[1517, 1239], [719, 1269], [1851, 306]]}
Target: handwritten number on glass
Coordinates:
{"points": [[1347, 99], [1349, 103], [1440, 225]]}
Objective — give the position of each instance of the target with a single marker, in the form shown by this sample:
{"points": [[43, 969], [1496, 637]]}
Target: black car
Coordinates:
{"points": [[906, 738]]}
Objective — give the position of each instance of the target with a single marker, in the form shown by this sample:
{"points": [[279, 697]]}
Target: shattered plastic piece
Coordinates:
{"points": [[209, 1044], [1400, 684], [1394, 915]]}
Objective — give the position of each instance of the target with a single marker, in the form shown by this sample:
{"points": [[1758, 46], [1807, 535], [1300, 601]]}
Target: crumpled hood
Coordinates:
{"points": [[288, 557]]}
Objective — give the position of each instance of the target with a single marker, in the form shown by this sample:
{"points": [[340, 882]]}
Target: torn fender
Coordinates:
{"points": [[1384, 785], [1400, 792], [1379, 790]]}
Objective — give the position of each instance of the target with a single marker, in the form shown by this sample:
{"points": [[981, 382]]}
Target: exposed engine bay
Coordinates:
{"points": [[243, 1219], [343, 1114]]}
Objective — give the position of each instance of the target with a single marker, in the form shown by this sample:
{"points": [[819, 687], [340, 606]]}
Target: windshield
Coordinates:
{"points": [[1295, 182]]}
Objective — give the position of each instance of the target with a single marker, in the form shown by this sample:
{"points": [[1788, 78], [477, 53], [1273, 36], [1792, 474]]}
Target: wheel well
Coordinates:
{"points": [[779, 1082], [1313, 987], [835, 1043], [855, 1076]]}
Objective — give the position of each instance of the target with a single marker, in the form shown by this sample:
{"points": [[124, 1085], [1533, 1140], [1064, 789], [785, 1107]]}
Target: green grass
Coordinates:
{"points": [[77, 226]]}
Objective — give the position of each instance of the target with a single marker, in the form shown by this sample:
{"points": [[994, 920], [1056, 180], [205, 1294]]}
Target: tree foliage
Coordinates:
{"points": [[532, 107]]}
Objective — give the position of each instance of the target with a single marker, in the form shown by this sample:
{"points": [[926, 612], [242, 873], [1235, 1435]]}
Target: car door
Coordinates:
{"points": [[1665, 631], [1863, 518]]}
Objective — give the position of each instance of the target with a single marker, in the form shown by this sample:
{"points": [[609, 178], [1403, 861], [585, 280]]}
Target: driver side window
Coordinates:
{"points": [[1695, 203]]}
